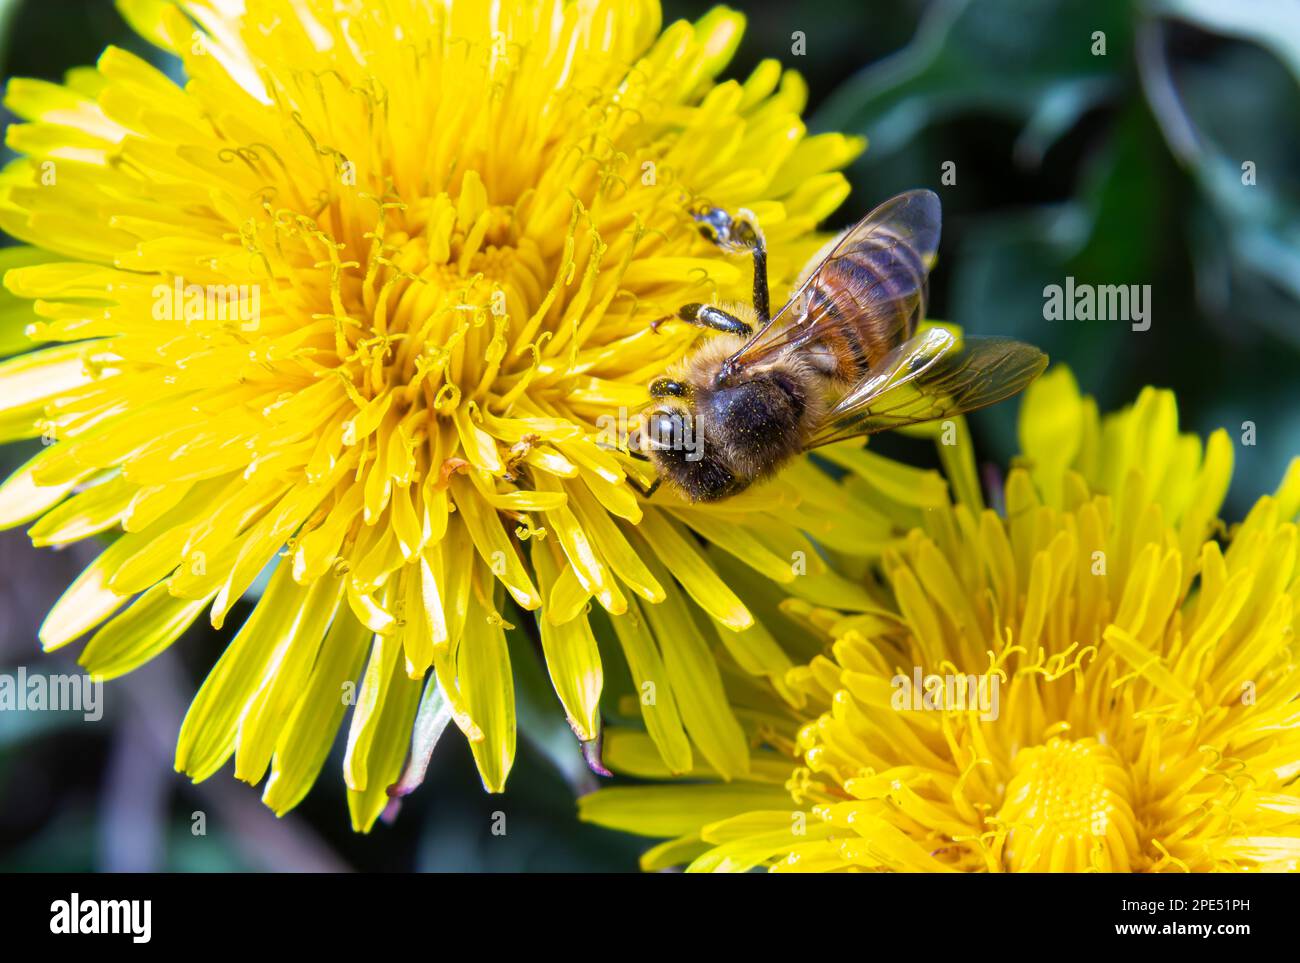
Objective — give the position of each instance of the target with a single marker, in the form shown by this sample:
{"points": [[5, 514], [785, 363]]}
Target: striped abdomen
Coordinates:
{"points": [[865, 301]]}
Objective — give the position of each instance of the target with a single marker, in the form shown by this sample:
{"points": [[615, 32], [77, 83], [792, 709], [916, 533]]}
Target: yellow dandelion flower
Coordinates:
{"points": [[1103, 679], [354, 299]]}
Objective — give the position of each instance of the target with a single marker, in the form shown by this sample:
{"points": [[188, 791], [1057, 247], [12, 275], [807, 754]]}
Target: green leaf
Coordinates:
{"points": [[1003, 57]]}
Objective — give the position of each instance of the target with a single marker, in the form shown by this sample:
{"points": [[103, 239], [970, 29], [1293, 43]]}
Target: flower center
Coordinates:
{"points": [[1069, 807]]}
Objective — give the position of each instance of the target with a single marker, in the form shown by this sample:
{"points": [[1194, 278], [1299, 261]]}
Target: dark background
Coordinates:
{"points": [[1115, 169]]}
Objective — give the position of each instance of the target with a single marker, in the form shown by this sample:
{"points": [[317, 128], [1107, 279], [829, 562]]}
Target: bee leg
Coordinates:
{"points": [[707, 316], [740, 234], [762, 301], [630, 452], [631, 479], [645, 492], [633, 450]]}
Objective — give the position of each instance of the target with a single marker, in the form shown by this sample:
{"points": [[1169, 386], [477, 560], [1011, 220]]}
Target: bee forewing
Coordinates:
{"points": [[914, 217], [934, 375], [866, 295]]}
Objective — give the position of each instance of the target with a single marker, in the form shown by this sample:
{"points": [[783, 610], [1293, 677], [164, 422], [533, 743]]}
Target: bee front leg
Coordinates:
{"points": [[632, 452], [762, 301], [707, 316], [646, 492], [740, 234]]}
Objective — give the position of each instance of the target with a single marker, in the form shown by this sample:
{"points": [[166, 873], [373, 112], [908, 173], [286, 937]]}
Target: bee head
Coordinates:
{"points": [[675, 443], [715, 442]]}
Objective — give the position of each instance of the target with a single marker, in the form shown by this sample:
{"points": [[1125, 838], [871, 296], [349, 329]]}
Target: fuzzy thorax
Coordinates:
{"points": [[747, 429]]}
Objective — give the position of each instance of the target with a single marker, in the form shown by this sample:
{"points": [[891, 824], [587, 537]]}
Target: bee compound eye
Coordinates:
{"points": [[664, 430], [670, 387]]}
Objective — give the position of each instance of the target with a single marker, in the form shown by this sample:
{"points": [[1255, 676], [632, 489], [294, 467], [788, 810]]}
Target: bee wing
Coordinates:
{"points": [[934, 375], [875, 284]]}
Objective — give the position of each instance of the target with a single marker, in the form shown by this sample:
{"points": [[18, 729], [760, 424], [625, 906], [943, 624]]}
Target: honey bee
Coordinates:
{"points": [[841, 359]]}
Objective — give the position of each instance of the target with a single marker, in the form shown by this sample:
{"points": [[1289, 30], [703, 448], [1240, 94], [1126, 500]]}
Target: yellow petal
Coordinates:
{"points": [[692, 570], [153, 622], [675, 810], [211, 726], [380, 732], [289, 668], [654, 691], [493, 545], [572, 658], [88, 600], [483, 670], [22, 499], [305, 740], [85, 513]]}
